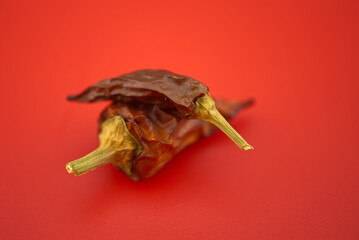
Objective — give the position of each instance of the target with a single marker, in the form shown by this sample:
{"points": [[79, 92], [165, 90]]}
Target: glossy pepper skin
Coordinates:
{"points": [[166, 89], [161, 134]]}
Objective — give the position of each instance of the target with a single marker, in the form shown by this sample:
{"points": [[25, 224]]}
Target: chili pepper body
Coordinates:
{"points": [[161, 87], [161, 134]]}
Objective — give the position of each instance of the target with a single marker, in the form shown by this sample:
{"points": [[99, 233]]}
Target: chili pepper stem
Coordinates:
{"points": [[206, 110], [93, 160], [117, 145]]}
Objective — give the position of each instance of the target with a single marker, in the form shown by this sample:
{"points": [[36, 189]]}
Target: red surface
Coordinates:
{"points": [[299, 59]]}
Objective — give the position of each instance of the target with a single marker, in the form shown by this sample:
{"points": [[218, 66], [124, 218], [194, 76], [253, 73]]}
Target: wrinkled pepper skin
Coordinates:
{"points": [[160, 113], [166, 89], [162, 134]]}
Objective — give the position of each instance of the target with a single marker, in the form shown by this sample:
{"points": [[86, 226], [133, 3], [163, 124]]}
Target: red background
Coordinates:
{"points": [[299, 59]]}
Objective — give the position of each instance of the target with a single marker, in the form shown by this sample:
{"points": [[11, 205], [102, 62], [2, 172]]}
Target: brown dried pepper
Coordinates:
{"points": [[156, 136], [161, 87], [154, 115]]}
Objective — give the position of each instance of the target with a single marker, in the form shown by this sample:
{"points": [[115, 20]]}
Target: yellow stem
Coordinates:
{"points": [[117, 145], [206, 110]]}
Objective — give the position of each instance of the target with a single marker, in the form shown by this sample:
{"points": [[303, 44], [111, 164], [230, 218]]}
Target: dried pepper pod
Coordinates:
{"points": [[141, 138], [178, 94]]}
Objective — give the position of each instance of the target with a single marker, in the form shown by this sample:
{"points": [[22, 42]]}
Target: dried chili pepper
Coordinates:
{"points": [[140, 138], [178, 94]]}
